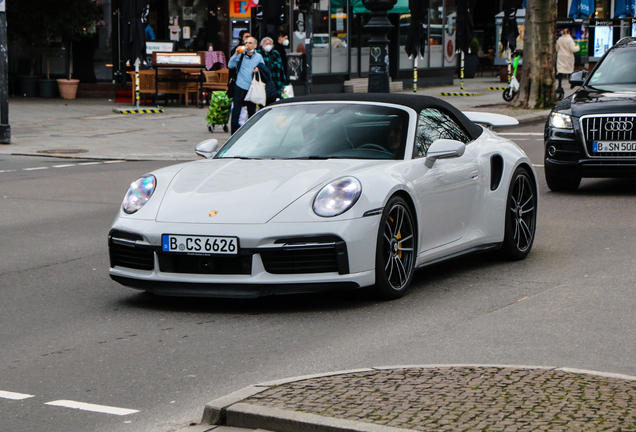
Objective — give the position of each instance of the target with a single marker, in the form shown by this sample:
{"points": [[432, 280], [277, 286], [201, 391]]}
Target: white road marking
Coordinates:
{"points": [[91, 407], [519, 133], [65, 165], [14, 396]]}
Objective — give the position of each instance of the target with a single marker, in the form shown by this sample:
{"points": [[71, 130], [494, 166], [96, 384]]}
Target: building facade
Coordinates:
{"points": [[340, 40]]}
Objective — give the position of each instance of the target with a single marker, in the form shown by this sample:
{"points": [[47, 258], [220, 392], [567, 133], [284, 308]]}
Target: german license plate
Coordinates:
{"points": [[613, 147], [204, 245]]}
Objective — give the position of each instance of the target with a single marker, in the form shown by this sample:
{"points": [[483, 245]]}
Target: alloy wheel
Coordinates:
{"points": [[522, 205], [398, 247]]}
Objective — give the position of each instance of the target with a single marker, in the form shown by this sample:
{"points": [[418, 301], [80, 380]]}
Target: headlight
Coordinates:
{"points": [[561, 121], [139, 193], [337, 197]]}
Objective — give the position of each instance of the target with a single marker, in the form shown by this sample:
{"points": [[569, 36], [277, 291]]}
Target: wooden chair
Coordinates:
{"points": [[192, 87], [216, 80], [147, 83]]}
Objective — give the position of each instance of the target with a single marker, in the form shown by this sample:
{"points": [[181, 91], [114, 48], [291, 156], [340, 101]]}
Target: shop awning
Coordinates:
{"points": [[401, 7], [624, 8], [580, 9]]}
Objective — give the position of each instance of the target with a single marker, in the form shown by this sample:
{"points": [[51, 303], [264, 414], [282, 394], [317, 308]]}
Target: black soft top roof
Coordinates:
{"points": [[416, 102]]}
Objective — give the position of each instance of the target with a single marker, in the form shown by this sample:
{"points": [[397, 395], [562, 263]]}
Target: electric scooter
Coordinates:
{"points": [[513, 88]]}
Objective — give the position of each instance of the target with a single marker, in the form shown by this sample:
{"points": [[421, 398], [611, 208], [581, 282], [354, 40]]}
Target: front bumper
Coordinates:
{"points": [[273, 258], [565, 156]]}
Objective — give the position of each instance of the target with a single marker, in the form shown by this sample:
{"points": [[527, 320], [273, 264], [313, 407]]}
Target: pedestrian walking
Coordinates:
{"points": [[565, 48], [274, 63], [280, 45], [249, 60]]}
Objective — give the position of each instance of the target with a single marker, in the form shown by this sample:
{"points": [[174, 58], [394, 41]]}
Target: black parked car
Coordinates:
{"points": [[592, 133]]}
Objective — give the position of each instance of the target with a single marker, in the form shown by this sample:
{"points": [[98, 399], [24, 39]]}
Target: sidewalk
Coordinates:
{"points": [[432, 398], [88, 128]]}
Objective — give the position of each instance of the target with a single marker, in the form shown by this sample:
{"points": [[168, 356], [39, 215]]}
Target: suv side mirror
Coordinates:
{"points": [[207, 148], [578, 78], [442, 149]]}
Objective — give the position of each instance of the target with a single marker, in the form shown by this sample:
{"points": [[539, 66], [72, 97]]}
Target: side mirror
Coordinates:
{"points": [[207, 148], [578, 78], [443, 149]]}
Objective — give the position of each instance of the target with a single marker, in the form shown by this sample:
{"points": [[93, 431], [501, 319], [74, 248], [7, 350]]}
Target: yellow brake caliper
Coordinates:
{"points": [[398, 236]]}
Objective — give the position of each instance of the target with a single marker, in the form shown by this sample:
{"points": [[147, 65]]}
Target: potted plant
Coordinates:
{"points": [[71, 20]]}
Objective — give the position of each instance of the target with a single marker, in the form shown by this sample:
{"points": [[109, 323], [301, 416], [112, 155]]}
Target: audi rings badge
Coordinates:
{"points": [[619, 126]]}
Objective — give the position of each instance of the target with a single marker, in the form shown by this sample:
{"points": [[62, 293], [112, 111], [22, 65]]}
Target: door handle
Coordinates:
{"points": [[474, 174]]}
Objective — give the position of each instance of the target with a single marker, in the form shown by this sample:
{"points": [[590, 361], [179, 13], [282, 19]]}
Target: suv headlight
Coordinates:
{"points": [[139, 193], [560, 121], [337, 197]]}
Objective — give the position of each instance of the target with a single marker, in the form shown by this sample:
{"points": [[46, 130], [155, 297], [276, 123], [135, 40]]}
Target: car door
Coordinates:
{"points": [[447, 190]]}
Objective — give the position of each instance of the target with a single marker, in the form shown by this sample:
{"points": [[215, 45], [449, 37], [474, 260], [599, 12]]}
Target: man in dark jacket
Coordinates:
{"points": [[280, 45]]}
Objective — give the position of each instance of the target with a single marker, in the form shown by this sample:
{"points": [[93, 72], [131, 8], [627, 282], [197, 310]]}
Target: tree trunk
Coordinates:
{"points": [[539, 56]]}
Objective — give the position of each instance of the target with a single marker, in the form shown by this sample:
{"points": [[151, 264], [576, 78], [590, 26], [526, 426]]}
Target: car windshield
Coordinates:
{"points": [[321, 131], [617, 71]]}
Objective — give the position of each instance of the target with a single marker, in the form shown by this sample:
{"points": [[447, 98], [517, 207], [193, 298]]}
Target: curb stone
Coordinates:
{"points": [[230, 411], [280, 420]]}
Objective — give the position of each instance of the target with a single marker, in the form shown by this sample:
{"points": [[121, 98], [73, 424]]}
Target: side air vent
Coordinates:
{"points": [[496, 171], [125, 252]]}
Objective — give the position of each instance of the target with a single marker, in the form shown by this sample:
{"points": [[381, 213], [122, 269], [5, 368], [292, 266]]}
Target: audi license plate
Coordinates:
{"points": [[613, 147], [199, 245]]}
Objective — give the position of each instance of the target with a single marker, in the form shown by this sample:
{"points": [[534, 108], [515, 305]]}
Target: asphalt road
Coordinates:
{"points": [[68, 333]]}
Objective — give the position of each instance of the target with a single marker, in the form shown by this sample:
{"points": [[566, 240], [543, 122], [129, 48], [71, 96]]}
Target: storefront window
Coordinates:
{"points": [[450, 32], [360, 43], [321, 38], [436, 39], [602, 9], [338, 40], [103, 59]]}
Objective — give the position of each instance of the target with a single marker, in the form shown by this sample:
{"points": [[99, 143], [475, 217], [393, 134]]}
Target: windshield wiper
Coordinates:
{"points": [[240, 157]]}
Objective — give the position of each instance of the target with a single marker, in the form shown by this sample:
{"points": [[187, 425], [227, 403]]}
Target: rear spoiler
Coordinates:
{"points": [[490, 119]]}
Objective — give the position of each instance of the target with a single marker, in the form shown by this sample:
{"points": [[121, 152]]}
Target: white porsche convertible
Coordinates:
{"points": [[327, 193]]}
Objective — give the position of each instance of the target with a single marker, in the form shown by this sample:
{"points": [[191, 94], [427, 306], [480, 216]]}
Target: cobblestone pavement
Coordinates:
{"points": [[465, 399]]}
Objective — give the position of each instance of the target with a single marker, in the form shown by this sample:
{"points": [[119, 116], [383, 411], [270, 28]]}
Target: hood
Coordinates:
{"points": [[590, 101], [246, 191]]}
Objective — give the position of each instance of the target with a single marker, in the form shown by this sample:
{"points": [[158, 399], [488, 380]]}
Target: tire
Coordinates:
{"points": [[210, 128], [226, 129], [562, 184], [395, 251], [559, 94], [521, 216], [508, 94]]}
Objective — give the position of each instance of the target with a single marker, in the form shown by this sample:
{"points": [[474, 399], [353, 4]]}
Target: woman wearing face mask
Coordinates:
{"points": [[274, 64]]}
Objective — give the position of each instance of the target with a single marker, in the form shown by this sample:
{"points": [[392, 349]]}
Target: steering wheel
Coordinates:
{"points": [[377, 147]]}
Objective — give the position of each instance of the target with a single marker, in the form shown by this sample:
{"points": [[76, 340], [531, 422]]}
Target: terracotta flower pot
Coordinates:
{"points": [[68, 88]]}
